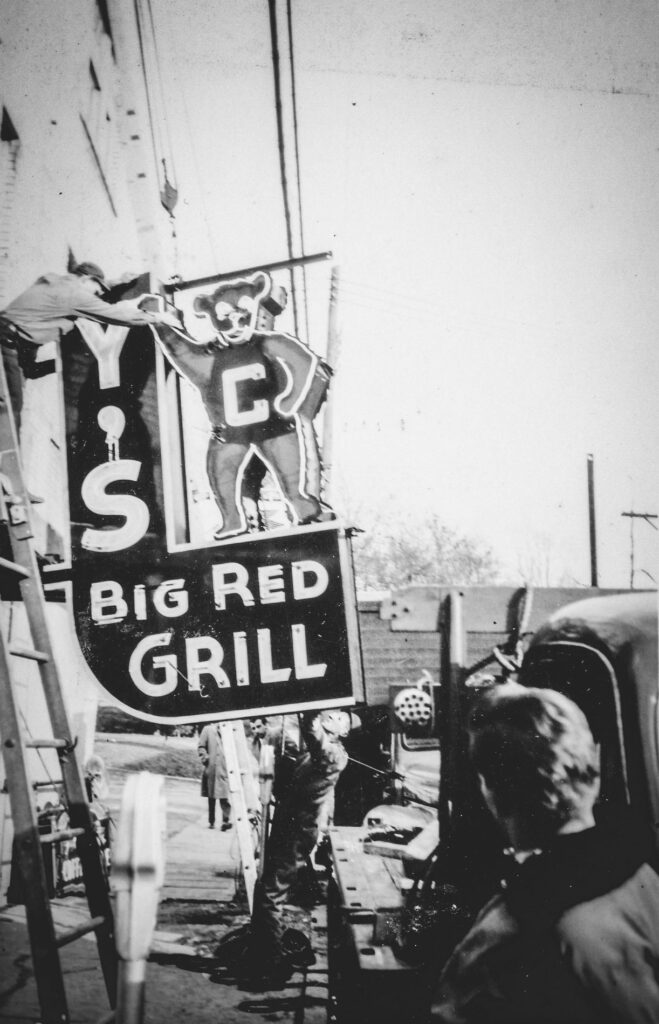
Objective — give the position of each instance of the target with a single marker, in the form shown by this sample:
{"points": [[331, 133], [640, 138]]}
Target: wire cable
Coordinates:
{"points": [[161, 96], [147, 91], [276, 70], [296, 138], [195, 163]]}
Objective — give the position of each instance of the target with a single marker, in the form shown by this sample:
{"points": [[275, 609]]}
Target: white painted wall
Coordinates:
{"points": [[53, 198]]}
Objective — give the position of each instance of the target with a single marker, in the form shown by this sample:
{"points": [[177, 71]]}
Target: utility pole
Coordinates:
{"points": [[648, 517], [591, 520], [333, 348]]}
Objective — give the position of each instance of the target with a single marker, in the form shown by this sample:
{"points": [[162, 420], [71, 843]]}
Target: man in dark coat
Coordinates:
{"points": [[214, 780], [573, 936], [301, 804]]}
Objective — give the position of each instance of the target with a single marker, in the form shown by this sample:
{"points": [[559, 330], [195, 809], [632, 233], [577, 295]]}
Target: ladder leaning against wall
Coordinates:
{"points": [[21, 570]]}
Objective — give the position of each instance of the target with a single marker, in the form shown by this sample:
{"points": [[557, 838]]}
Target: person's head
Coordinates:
{"points": [[95, 767], [259, 727], [537, 762], [91, 276], [336, 724]]}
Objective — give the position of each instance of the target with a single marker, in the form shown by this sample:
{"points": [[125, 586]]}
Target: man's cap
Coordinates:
{"points": [[336, 723], [91, 270]]}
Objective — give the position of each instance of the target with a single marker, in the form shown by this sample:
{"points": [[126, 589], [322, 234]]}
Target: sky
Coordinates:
{"points": [[485, 174]]}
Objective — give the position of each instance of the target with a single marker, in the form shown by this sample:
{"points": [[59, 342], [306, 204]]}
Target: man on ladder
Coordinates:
{"points": [[48, 309], [22, 568]]}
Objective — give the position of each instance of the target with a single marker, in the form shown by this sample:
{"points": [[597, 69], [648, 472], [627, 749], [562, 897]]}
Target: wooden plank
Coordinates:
{"points": [[384, 880], [367, 884], [353, 887], [372, 958], [236, 779]]}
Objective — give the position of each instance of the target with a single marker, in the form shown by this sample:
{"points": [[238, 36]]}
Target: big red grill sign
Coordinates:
{"points": [[175, 629]]}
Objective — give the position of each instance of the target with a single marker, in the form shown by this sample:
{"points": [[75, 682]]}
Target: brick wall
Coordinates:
{"points": [[390, 657]]}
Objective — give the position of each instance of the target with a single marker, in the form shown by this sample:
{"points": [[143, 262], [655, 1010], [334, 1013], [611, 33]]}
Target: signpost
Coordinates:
{"points": [[173, 627]]}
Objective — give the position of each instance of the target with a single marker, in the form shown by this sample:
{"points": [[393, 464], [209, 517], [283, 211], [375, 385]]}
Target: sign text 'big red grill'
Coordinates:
{"points": [[175, 621]]}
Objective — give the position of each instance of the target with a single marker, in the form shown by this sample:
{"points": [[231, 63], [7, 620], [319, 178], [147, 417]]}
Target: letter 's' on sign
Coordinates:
{"points": [[174, 625]]}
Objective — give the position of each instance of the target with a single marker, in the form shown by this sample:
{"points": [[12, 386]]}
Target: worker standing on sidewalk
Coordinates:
{"points": [[270, 958]]}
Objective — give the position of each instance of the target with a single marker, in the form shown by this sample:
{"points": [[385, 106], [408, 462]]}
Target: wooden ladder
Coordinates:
{"points": [[21, 572], [242, 796]]}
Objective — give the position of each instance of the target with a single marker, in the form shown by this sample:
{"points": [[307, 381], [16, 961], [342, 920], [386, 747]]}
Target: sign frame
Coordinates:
{"points": [[106, 431]]}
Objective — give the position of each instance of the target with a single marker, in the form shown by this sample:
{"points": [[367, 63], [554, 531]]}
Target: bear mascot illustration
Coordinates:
{"points": [[261, 390]]}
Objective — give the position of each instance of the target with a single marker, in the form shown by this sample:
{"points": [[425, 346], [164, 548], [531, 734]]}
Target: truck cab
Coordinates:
{"points": [[601, 651]]}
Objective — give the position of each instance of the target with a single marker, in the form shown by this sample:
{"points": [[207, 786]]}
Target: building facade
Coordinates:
{"points": [[81, 178]]}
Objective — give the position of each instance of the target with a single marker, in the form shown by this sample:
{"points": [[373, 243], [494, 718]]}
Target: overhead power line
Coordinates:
{"points": [[197, 169], [649, 518], [149, 99], [296, 138], [276, 70]]}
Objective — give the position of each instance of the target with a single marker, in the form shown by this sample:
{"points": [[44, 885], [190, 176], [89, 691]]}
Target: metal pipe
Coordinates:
{"points": [[591, 521], [453, 653], [200, 282]]}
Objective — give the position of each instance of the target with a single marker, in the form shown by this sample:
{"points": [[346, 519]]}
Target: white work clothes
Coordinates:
{"points": [[50, 306]]}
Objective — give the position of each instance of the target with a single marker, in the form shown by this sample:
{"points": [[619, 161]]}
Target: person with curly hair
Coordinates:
{"points": [[573, 934]]}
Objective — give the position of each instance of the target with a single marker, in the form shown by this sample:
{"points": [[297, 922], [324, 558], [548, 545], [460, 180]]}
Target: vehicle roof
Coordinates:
{"points": [[623, 627]]}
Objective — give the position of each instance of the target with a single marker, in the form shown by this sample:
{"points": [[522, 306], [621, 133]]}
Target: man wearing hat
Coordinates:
{"points": [[48, 309]]}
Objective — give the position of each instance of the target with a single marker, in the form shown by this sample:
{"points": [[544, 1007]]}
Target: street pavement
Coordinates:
{"points": [[200, 902]]}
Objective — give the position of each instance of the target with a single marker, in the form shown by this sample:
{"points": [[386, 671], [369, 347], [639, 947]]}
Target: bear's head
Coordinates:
{"points": [[242, 307]]}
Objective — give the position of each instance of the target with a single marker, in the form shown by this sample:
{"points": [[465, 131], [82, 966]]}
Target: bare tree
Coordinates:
{"points": [[396, 553], [536, 564]]}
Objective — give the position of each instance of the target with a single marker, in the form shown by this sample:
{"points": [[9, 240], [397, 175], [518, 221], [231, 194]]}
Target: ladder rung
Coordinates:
{"points": [[82, 929], [19, 570], [56, 744], [60, 837], [48, 784], [20, 651]]}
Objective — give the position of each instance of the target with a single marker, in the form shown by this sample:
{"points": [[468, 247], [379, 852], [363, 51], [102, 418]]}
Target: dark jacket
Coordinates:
{"points": [[572, 938], [214, 782]]}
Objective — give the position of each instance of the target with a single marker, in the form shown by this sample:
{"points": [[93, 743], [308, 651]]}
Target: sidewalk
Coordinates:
{"points": [[198, 906]]}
